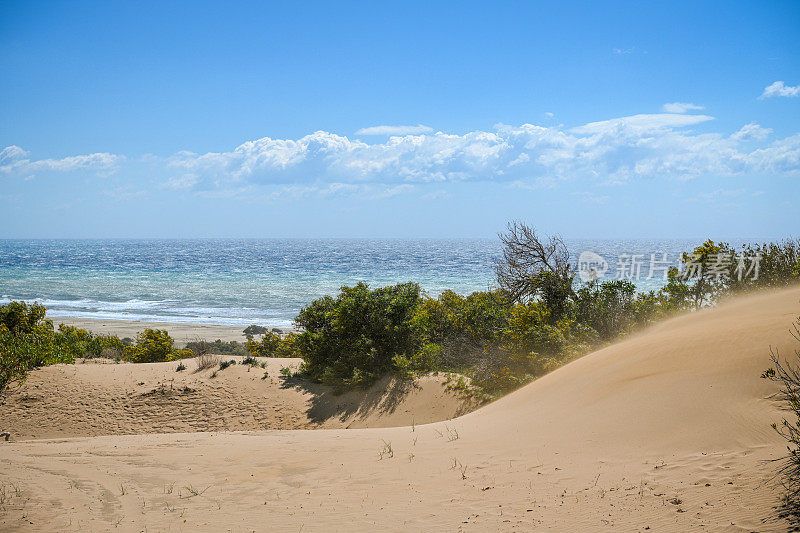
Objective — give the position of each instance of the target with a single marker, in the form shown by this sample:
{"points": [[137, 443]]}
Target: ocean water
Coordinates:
{"points": [[267, 281]]}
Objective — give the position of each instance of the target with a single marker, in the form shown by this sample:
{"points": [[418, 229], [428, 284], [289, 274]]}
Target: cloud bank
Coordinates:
{"points": [[646, 146]]}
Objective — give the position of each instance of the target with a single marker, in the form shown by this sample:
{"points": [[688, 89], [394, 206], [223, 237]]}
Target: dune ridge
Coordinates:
{"points": [[665, 431]]}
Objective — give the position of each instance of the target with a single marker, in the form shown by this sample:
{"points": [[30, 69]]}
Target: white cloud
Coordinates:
{"points": [[395, 130], [641, 123], [11, 153], [751, 132], [681, 107], [780, 89], [14, 160]]}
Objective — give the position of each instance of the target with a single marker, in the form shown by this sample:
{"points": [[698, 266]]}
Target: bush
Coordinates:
{"points": [[201, 347], [779, 265], [273, 345], [606, 307], [18, 318], [155, 345], [255, 330], [82, 343], [27, 341], [25, 351], [423, 361], [787, 376], [353, 339]]}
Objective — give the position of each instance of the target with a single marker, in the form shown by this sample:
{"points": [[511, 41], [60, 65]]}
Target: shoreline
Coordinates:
{"points": [[180, 332]]}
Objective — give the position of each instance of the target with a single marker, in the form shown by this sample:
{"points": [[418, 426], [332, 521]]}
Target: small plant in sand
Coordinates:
{"points": [[8, 491], [193, 491], [452, 434], [457, 465], [787, 375], [206, 361], [225, 364], [386, 451], [181, 367], [250, 361]]}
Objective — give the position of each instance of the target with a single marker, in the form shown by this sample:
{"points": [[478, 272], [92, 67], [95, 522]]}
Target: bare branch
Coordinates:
{"points": [[525, 256]]}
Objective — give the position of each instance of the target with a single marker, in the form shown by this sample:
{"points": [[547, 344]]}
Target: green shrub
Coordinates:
{"points": [[219, 347], [423, 361], [779, 265], [83, 343], [255, 330], [21, 319], [606, 307], [27, 341], [353, 339], [25, 351], [155, 345], [272, 345]]}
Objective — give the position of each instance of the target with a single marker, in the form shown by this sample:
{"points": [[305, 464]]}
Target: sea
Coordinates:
{"points": [[239, 282]]}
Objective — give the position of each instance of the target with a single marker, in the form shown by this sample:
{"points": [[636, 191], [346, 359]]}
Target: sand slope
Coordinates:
{"points": [[667, 431]]}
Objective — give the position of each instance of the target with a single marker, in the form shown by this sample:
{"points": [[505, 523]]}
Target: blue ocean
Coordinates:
{"points": [[263, 281]]}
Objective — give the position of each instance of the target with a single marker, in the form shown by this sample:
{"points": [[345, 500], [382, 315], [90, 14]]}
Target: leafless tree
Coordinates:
{"points": [[526, 256]]}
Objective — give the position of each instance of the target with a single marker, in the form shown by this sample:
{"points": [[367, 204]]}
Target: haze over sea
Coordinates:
{"points": [[261, 281]]}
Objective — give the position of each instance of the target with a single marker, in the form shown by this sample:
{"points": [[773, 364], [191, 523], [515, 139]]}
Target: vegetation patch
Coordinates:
{"points": [[787, 374]]}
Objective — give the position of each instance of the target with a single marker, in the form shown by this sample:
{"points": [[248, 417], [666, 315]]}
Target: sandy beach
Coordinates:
{"points": [[666, 431], [181, 333]]}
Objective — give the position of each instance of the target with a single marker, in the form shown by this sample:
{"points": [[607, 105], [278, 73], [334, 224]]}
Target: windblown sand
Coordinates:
{"points": [[666, 431]]}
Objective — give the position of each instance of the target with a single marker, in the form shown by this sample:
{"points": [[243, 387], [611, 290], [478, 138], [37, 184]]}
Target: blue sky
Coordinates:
{"points": [[416, 119]]}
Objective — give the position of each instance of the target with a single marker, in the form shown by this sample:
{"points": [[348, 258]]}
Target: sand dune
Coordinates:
{"points": [[666, 431], [91, 399]]}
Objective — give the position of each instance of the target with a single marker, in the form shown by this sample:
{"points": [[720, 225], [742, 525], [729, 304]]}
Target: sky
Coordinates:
{"points": [[413, 119]]}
